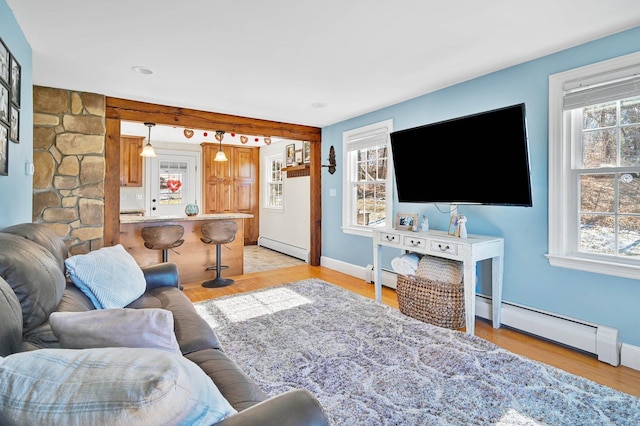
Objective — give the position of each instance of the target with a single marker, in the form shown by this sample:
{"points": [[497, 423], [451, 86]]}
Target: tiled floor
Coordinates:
{"points": [[258, 259]]}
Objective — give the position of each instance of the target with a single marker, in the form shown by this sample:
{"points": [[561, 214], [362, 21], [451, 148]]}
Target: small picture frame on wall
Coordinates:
{"points": [[406, 221], [4, 104], [14, 125], [4, 63], [306, 152], [4, 150], [15, 81], [297, 159], [289, 153]]}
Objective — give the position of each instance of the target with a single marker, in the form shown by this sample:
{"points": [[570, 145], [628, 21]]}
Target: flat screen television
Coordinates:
{"points": [[476, 159]]}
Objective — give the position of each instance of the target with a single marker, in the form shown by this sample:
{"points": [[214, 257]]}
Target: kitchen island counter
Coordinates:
{"points": [[200, 217], [193, 257]]}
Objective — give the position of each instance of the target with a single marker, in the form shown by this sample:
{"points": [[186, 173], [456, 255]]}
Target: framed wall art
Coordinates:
{"points": [[306, 152], [297, 158], [4, 104], [4, 63], [14, 124], [406, 221], [4, 150], [15, 82], [289, 154]]}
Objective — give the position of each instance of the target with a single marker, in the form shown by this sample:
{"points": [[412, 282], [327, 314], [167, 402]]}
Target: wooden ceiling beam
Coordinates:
{"points": [[129, 110]]}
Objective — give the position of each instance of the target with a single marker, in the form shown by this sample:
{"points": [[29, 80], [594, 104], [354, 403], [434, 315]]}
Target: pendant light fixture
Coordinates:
{"points": [[148, 150], [220, 155]]}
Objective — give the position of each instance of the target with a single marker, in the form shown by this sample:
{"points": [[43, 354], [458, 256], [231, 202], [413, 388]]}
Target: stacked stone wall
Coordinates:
{"points": [[69, 159]]}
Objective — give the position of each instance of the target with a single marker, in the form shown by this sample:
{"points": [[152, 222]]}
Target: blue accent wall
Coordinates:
{"points": [[528, 278], [16, 189]]}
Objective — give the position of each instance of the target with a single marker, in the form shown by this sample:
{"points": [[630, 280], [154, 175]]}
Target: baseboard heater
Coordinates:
{"points": [[288, 249], [597, 339], [389, 277]]}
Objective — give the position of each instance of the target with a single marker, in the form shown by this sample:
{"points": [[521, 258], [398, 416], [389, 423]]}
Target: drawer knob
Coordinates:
{"points": [[415, 243], [389, 238], [443, 248]]}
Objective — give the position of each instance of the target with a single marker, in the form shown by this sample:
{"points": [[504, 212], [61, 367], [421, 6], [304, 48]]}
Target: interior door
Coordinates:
{"points": [[174, 182]]}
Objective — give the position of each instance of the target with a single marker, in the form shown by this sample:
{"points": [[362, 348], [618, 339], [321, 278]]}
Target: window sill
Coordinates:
{"points": [[596, 266], [364, 232]]}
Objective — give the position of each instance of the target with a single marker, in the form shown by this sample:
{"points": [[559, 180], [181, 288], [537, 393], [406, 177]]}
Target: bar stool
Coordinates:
{"points": [[218, 232], [163, 238]]}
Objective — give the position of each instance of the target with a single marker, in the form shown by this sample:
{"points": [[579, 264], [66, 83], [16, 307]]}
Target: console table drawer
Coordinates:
{"points": [[386, 237], [414, 242], [443, 247]]}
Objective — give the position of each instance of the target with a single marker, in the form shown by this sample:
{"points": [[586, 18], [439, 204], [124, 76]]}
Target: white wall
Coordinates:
{"points": [[290, 225]]}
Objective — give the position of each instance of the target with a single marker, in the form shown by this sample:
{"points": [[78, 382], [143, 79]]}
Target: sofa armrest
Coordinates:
{"points": [[161, 275], [293, 408]]}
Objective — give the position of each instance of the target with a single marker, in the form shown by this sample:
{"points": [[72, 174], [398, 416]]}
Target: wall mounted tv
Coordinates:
{"points": [[476, 159]]}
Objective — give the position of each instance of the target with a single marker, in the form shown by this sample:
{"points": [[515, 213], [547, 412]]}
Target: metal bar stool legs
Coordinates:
{"points": [[218, 232]]}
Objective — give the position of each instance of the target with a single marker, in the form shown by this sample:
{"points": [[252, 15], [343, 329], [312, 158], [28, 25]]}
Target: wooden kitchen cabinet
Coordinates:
{"points": [[130, 160], [233, 186], [218, 180]]}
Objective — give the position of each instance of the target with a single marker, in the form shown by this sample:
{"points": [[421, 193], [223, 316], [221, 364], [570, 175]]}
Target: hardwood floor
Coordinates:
{"points": [[586, 365]]}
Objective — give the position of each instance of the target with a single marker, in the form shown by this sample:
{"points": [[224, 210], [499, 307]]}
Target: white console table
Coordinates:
{"points": [[469, 250]]}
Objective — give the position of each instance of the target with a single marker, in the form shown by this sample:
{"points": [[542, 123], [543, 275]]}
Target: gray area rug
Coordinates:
{"points": [[368, 364]]}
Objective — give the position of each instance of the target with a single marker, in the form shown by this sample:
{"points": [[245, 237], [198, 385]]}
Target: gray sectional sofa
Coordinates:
{"points": [[34, 284]]}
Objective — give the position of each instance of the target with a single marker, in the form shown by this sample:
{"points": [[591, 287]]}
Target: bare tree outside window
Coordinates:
{"points": [[370, 186], [609, 179]]}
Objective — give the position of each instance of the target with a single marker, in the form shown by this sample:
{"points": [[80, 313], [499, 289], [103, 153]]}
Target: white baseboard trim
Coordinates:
{"points": [[593, 338], [344, 267], [288, 249]]}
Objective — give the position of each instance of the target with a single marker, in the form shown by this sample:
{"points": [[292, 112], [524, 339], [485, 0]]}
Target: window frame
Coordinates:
{"points": [[268, 180], [563, 215], [349, 138]]}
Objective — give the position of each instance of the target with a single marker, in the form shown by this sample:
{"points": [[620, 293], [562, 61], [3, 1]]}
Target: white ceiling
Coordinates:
{"points": [[305, 62]]}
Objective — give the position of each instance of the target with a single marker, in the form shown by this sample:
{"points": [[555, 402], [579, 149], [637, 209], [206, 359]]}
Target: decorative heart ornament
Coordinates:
{"points": [[244, 139], [267, 141], [188, 133], [174, 185]]}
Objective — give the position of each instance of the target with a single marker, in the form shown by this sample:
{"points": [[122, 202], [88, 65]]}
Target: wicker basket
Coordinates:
{"points": [[435, 302]]}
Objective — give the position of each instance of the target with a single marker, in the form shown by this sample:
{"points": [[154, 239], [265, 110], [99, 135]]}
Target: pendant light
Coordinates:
{"points": [[220, 155], [148, 150]]}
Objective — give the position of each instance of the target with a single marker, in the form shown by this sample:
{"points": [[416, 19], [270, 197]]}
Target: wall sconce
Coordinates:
{"points": [[148, 150], [220, 155], [332, 161]]}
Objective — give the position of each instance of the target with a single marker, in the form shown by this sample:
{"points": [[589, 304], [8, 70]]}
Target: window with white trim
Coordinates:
{"points": [[274, 194], [367, 195], [594, 168]]}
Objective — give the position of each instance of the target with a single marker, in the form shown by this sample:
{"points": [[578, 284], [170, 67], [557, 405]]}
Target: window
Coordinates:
{"points": [[173, 182], [274, 182], [594, 168], [367, 194]]}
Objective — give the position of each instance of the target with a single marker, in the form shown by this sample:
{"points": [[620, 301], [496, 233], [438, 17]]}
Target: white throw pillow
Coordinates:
{"points": [[440, 269], [121, 327], [107, 386], [109, 277]]}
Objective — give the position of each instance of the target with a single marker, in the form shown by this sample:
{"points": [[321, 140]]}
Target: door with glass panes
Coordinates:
{"points": [[174, 183]]}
